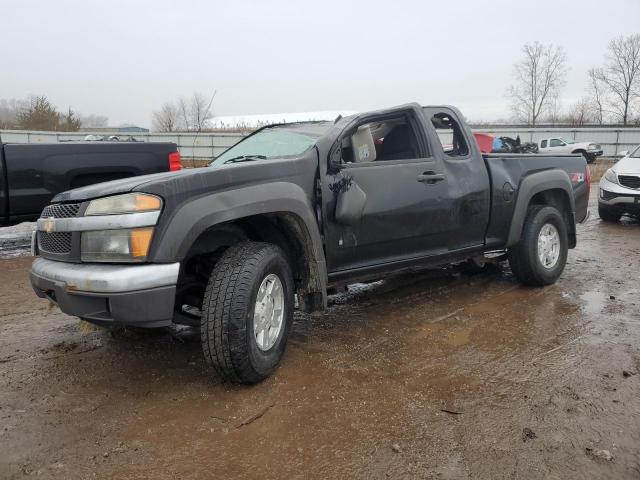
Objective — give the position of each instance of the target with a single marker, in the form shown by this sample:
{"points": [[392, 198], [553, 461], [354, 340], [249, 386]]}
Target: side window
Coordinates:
{"points": [[450, 135], [380, 141], [555, 142], [543, 144]]}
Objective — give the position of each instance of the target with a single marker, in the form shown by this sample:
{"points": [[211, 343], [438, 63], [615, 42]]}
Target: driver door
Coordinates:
{"points": [[390, 199]]}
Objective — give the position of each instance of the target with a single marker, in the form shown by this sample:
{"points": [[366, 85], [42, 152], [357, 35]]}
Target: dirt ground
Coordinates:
{"points": [[433, 375]]}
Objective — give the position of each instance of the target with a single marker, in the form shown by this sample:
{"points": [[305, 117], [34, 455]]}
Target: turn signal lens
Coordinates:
{"points": [[147, 202], [116, 246], [140, 241]]}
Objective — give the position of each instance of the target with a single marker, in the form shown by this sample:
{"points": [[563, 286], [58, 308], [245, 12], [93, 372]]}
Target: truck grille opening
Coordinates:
{"points": [[60, 210], [629, 181], [54, 242]]}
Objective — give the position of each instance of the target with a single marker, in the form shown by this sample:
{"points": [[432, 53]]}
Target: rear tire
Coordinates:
{"points": [[538, 259], [250, 290], [608, 215]]}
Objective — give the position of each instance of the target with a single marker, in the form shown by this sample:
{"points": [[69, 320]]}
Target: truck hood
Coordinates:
{"points": [[113, 187], [179, 186]]}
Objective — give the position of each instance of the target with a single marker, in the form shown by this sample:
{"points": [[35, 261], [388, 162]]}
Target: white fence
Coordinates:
{"points": [[210, 145]]}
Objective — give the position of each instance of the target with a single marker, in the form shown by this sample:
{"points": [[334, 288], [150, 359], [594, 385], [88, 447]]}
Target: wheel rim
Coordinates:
{"points": [[268, 314], [548, 246]]}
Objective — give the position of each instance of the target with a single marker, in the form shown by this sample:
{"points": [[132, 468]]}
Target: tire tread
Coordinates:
{"points": [[226, 303], [523, 256]]}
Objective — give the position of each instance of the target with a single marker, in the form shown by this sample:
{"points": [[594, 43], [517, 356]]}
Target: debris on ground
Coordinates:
{"points": [[396, 448], [599, 454], [627, 373], [255, 416], [528, 434], [451, 412]]}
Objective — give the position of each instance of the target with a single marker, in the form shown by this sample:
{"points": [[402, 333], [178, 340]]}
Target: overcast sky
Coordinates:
{"points": [[123, 59]]}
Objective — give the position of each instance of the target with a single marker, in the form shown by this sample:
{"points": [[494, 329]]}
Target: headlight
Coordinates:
{"points": [[127, 203], [611, 176], [126, 245]]}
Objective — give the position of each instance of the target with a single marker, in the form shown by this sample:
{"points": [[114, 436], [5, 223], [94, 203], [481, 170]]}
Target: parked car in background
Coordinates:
{"points": [[619, 192], [298, 209], [589, 150], [32, 174]]}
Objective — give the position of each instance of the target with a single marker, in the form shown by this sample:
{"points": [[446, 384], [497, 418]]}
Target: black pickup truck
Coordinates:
{"points": [[32, 174], [298, 209]]}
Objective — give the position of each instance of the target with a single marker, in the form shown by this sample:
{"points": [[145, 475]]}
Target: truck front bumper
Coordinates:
{"points": [[140, 295]]}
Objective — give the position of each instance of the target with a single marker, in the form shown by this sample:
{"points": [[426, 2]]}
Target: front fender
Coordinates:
{"points": [[192, 218]]}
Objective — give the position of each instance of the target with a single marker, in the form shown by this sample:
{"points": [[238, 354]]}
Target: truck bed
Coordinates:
{"points": [[32, 174]]}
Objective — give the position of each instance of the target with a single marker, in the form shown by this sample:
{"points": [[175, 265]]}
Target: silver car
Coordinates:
{"points": [[620, 188]]}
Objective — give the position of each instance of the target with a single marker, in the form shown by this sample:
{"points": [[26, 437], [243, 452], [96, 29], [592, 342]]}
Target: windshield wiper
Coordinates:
{"points": [[245, 158]]}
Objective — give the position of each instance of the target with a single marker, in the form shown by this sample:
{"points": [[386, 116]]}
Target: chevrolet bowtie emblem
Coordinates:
{"points": [[48, 225]]}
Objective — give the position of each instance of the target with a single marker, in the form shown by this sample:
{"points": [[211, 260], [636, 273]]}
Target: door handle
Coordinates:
{"points": [[430, 177]]}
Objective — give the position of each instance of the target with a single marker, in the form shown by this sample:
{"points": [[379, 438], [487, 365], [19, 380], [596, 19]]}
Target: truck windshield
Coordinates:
{"points": [[567, 141], [273, 142], [635, 153]]}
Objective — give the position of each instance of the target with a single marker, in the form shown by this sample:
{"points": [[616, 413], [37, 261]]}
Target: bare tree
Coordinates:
{"points": [[580, 113], [200, 110], [166, 119], [597, 98], [621, 75], [9, 110], [538, 79], [183, 113], [187, 114]]}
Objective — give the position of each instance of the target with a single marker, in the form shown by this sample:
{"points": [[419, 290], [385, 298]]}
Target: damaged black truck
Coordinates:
{"points": [[294, 210]]}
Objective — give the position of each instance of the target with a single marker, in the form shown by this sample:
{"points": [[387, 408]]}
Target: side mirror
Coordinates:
{"points": [[351, 202], [623, 153]]}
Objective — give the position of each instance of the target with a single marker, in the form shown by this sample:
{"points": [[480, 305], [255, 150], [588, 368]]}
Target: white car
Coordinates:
{"points": [[620, 188], [590, 151]]}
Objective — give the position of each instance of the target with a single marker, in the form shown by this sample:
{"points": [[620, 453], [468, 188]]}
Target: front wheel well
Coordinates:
{"points": [[284, 229]]}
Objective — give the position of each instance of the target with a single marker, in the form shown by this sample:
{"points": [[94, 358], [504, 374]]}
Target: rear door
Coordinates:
{"points": [[468, 188], [393, 190]]}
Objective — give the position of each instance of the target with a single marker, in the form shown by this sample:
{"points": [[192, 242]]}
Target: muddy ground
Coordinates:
{"points": [[431, 375]]}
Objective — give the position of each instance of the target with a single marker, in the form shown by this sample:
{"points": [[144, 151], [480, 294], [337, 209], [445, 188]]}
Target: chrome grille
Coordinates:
{"points": [[629, 181], [54, 242], [60, 210]]}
